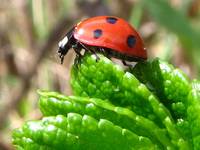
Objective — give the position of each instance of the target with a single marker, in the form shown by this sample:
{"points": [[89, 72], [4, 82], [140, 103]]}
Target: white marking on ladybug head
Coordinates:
{"points": [[63, 42]]}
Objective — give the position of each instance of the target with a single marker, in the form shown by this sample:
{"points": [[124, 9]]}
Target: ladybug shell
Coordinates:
{"points": [[113, 33]]}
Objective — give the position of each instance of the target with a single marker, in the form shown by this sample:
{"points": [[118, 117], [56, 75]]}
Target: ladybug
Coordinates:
{"points": [[109, 35]]}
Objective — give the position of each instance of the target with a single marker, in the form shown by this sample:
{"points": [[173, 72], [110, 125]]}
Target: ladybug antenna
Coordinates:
{"points": [[61, 59]]}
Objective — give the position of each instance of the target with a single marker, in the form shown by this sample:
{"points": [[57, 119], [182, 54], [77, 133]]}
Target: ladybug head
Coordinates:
{"points": [[63, 48], [65, 44]]}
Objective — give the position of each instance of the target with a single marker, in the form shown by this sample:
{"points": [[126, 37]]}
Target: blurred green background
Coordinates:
{"points": [[31, 29]]}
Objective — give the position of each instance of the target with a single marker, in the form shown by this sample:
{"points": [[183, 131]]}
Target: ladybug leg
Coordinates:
{"points": [[77, 61], [90, 50], [125, 64], [95, 54], [77, 48], [104, 52]]}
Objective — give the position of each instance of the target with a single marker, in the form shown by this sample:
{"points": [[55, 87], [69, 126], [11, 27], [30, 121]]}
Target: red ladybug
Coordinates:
{"points": [[112, 36]]}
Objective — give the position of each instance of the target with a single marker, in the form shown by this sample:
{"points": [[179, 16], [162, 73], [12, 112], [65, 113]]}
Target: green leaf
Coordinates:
{"points": [[171, 86], [76, 132], [100, 109], [193, 112], [151, 106], [109, 81]]}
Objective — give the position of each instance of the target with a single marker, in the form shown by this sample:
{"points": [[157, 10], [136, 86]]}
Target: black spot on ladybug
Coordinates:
{"points": [[111, 20], [97, 33], [131, 40]]}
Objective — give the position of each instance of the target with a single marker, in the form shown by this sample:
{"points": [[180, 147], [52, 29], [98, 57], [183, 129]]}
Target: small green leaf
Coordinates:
{"points": [[77, 132]]}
